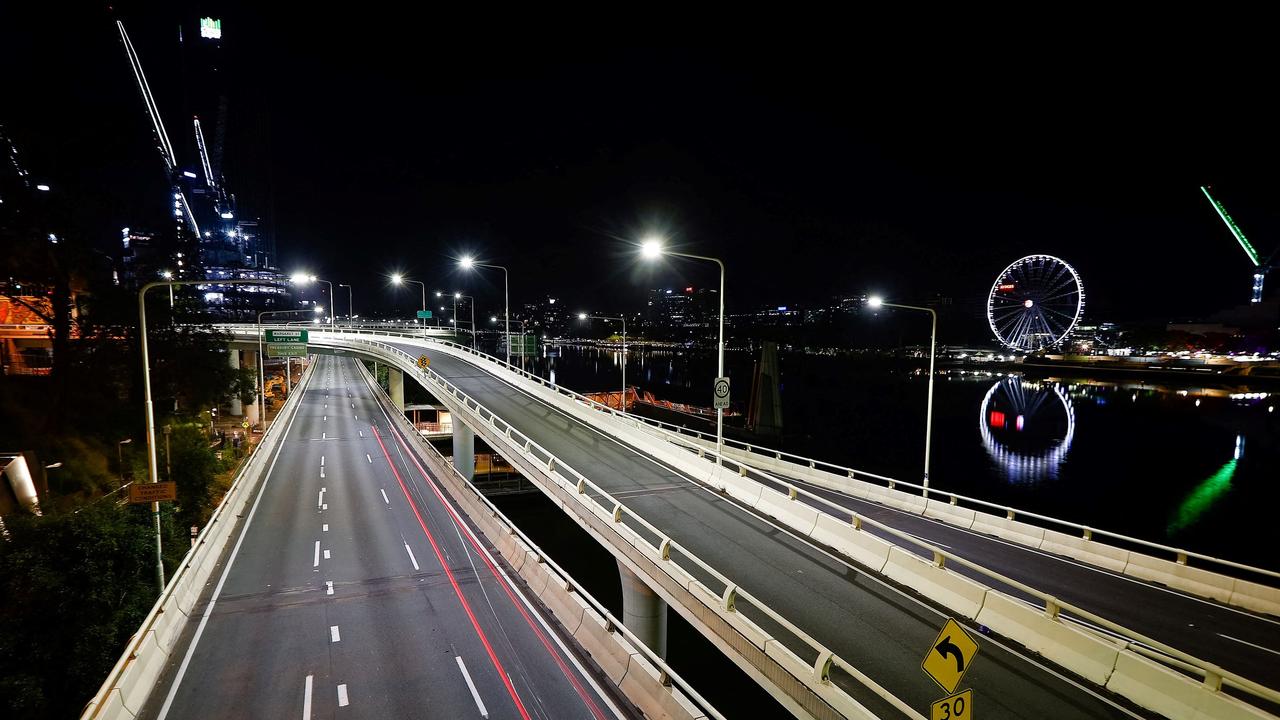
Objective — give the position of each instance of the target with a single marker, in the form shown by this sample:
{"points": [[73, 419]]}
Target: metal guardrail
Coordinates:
{"points": [[600, 503], [1213, 675], [657, 660], [1181, 555]]}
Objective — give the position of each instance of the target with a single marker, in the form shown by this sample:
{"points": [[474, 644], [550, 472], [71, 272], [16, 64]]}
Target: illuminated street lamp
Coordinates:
{"points": [[152, 472], [584, 316], [351, 313], [303, 279], [652, 248], [467, 262], [399, 279], [875, 302]]}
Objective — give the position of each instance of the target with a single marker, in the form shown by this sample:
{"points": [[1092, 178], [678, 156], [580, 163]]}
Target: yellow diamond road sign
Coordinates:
{"points": [[949, 656], [953, 707], [424, 362]]}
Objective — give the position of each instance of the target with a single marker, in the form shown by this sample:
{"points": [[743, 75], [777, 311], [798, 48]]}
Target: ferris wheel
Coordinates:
{"points": [[1035, 303]]}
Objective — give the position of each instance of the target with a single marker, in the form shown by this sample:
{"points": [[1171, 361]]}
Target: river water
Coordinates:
{"points": [[1192, 467]]}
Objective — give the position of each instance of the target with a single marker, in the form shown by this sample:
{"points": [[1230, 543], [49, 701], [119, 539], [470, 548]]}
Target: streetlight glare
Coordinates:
{"points": [[651, 247], [397, 278], [466, 262], [457, 296], [875, 301], [299, 278], [582, 316]]}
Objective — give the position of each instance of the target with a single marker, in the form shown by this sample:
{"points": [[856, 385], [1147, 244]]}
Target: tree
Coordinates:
{"points": [[76, 587]]}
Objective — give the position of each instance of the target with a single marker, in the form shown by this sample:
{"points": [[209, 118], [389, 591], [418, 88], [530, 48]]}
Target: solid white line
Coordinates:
{"points": [[326, 554], [342, 695], [204, 619], [334, 635], [316, 562], [384, 496], [1246, 642], [412, 559], [472, 687], [366, 457], [324, 528], [328, 584], [306, 700]]}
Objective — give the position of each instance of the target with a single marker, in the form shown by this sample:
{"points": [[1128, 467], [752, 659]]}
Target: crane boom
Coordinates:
{"points": [[204, 158], [1231, 225]]}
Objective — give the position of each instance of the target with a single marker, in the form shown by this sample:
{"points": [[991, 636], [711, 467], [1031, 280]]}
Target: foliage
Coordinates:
{"points": [[76, 587]]}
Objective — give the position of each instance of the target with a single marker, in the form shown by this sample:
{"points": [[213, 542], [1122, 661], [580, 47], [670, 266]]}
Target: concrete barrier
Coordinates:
{"points": [[1170, 574], [792, 513], [952, 590], [859, 545], [611, 652], [951, 514], [1161, 690], [1085, 654], [1014, 531], [1256, 597], [1089, 551], [637, 684]]}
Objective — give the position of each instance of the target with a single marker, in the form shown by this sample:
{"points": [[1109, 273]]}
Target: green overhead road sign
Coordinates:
{"points": [[286, 349], [424, 314], [287, 336]]}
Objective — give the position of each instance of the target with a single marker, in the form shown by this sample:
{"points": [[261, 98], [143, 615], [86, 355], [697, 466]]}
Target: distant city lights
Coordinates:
{"points": [[42, 188]]}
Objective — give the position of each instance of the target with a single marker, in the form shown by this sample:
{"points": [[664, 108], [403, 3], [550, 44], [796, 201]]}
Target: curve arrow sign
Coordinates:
{"points": [[946, 648]]}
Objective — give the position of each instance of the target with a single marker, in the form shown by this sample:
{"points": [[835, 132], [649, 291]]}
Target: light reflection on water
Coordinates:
{"points": [[1027, 428]]}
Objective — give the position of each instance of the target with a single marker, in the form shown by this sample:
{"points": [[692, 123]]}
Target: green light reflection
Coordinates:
{"points": [[1203, 497]]}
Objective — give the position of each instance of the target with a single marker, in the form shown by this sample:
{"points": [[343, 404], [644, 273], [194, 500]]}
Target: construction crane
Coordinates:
{"points": [[182, 210], [222, 203], [1260, 267]]}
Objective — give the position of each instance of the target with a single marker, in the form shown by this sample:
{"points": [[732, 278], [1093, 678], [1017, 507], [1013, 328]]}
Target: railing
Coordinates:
{"points": [[657, 660], [1214, 676], [1181, 555], [598, 502]]}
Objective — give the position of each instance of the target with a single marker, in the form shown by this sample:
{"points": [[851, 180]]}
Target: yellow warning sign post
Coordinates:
{"points": [[953, 707], [424, 362], [949, 656]]}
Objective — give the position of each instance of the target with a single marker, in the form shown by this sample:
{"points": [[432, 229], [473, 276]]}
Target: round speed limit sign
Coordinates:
{"points": [[720, 393]]}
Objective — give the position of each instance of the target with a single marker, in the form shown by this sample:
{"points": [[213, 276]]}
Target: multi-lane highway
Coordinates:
{"points": [[880, 629], [356, 590]]}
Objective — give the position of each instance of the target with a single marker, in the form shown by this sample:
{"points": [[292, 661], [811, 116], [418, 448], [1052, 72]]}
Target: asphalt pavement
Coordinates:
{"points": [[355, 591]]}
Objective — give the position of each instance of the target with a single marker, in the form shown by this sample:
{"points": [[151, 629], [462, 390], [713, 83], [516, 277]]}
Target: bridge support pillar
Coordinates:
{"points": [[395, 387], [643, 612], [233, 359], [464, 449], [250, 360]]}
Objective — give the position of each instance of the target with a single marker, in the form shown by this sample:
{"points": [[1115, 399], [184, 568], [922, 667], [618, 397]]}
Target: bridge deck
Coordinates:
{"points": [[878, 628]]}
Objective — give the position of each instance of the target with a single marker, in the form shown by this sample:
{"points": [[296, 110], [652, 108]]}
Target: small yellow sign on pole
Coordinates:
{"points": [[949, 656], [953, 707], [152, 492], [424, 362]]}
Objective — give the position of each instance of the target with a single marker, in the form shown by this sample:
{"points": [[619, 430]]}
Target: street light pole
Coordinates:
{"points": [[583, 316], [397, 279], [152, 473], [350, 303], [876, 302], [467, 263], [653, 248]]}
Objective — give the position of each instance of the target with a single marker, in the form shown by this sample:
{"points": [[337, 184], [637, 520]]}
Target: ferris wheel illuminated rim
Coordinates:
{"points": [[1035, 303]]}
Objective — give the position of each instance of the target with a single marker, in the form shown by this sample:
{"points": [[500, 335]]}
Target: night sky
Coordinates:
{"points": [[817, 156]]}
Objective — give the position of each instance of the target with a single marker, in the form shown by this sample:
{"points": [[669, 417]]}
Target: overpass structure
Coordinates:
{"points": [[827, 589]]}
